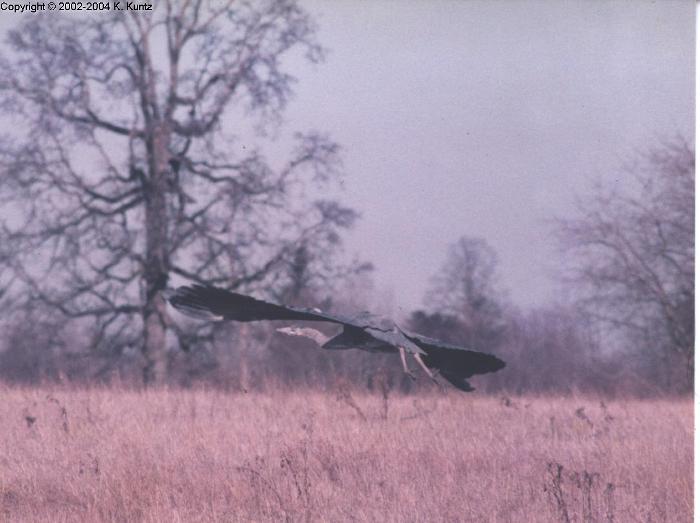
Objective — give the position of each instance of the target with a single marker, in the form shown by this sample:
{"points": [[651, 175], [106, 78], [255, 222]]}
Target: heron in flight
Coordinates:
{"points": [[364, 331]]}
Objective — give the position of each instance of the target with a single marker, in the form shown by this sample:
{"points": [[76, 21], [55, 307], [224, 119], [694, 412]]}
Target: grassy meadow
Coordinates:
{"points": [[206, 455]]}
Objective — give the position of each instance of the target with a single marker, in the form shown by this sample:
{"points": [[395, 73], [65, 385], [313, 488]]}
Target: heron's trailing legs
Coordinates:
{"points": [[424, 366], [402, 353]]}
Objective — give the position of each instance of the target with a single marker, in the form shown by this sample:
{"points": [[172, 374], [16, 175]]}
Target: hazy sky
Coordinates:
{"points": [[484, 119]]}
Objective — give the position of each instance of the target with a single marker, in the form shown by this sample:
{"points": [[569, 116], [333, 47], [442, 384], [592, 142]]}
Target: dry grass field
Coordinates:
{"points": [[118, 455]]}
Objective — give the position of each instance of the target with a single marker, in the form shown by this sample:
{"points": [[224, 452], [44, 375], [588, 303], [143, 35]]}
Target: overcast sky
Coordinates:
{"points": [[484, 118]]}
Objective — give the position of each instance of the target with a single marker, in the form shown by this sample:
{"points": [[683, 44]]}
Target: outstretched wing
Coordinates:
{"points": [[203, 301], [455, 363]]}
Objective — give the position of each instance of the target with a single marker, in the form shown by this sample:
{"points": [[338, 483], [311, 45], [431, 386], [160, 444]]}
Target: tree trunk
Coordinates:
{"points": [[157, 263]]}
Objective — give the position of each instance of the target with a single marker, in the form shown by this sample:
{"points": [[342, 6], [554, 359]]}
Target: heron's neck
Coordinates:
{"points": [[315, 335]]}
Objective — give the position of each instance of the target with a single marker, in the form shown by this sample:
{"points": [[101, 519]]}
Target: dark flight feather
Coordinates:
{"points": [[466, 362], [455, 363], [205, 301]]}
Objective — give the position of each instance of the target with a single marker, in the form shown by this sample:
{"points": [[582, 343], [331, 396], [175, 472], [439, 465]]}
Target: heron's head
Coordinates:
{"points": [[306, 332], [292, 331]]}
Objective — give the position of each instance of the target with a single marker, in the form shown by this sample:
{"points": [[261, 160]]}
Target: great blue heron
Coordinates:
{"points": [[364, 332]]}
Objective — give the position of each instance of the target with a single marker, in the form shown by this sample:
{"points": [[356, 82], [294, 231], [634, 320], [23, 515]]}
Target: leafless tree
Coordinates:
{"points": [[465, 289], [632, 251], [121, 167], [549, 349]]}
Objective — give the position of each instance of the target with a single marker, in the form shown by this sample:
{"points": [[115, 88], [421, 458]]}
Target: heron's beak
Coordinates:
{"points": [[286, 330]]}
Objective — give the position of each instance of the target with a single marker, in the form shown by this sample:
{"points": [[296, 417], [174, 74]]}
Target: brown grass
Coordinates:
{"points": [[115, 455]]}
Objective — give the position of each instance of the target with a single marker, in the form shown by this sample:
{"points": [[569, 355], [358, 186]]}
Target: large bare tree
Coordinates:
{"points": [[121, 167], [632, 248]]}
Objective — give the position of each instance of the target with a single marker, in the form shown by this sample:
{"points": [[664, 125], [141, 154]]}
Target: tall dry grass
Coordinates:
{"points": [[117, 455]]}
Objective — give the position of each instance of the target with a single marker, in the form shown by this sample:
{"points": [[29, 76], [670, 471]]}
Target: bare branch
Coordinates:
{"points": [[632, 252]]}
